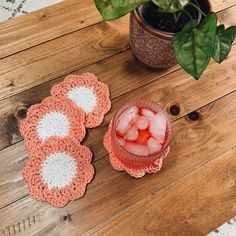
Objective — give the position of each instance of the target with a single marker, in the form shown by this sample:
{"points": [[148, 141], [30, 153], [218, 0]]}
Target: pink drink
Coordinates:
{"points": [[141, 133]]}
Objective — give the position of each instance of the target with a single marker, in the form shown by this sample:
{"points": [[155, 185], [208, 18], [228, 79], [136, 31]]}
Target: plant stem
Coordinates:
{"points": [[178, 16], [198, 8], [190, 17], [175, 17]]}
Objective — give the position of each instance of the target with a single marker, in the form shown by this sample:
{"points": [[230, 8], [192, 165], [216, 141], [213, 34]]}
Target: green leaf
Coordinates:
{"points": [[189, 26], [112, 9], [194, 44], [223, 42], [231, 31], [220, 29], [171, 5]]}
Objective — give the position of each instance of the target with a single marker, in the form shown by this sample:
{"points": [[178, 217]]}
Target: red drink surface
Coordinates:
{"points": [[141, 133], [143, 137]]}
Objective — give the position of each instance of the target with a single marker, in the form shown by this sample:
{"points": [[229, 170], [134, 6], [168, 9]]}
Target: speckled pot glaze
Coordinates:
{"points": [[152, 47]]}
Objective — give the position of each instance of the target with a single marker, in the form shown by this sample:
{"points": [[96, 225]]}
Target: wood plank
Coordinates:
{"points": [[230, 14], [123, 67], [194, 205], [179, 89], [49, 23], [61, 56], [112, 192], [12, 161], [64, 55], [128, 76], [46, 24], [219, 5], [165, 91]]}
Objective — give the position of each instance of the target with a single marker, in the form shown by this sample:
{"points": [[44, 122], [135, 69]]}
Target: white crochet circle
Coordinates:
{"points": [[53, 124], [58, 170], [83, 97]]}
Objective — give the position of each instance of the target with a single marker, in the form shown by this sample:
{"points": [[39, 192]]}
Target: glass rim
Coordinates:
{"points": [[155, 108]]}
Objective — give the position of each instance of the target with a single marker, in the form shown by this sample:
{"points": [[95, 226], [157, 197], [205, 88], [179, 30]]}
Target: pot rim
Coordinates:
{"points": [[162, 34]]}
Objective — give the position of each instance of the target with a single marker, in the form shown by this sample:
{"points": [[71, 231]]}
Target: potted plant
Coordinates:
{"points": [[166, 32]]}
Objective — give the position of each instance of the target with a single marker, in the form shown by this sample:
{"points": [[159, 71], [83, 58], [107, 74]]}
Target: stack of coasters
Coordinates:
{"points": [[59, 167]]}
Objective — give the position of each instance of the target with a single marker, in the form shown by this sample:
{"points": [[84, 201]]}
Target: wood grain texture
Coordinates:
{"points": [[26, 77], [61, 56], [49, 23], [64, 55], [219, 5], [126, 76], [46, 24], [228, 14], [179, 89], [131, 80], [187, 93], [194, 205], [112, 192]]}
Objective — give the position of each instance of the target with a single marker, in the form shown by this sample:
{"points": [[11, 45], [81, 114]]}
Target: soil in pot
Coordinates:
{"points": [[165, 21]]}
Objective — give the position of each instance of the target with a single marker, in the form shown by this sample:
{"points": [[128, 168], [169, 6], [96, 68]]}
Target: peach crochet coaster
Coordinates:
{"points": [[52, 118], [59, 166], [119, 166], [87, 93], [59, 171]]}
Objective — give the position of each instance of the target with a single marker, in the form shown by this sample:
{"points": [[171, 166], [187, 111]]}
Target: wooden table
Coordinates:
{"points": [[196, 190]]}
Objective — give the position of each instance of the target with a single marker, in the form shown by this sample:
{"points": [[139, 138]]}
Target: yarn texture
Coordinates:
{"points": [[88, 94], [133, 171], [59, 167], [59, 171], [52, 118]]}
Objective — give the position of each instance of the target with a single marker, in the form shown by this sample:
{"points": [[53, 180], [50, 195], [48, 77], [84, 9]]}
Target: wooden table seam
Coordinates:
{"points": [[106, 155], [116, 215], [49, 40]]}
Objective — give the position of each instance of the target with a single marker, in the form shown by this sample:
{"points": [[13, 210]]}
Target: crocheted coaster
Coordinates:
{"points": [[52, 118], [59, 171], [87, 93], [119, 166]]}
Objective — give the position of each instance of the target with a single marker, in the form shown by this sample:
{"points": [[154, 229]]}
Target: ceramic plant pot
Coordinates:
{"points": [[153, 47]]}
